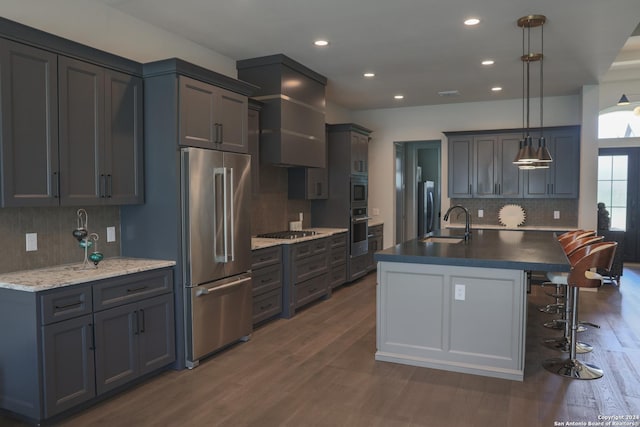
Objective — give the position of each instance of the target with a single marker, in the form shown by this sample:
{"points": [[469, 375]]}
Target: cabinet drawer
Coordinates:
{"points": [[311, 290], [264, 257], [267, 305], [338, 240], [338, 275], [309, 267], [114, 292], [338, 256], [376, 230], [66, 303], [312, 247], [266, 279]]}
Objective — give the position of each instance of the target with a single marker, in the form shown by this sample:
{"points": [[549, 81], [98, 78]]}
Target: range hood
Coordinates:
{"points": [[292, 120]]}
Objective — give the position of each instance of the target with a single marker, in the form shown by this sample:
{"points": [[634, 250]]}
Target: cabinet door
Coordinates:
{"points": [[317, 184], [116, 333], [68, 364], [230, 117], [460, 166], [81, 87], [509, 178], [485, 166], [156, 334], [29, 124], [565, 169], [196, 113], [359, 153], [122, 172]]}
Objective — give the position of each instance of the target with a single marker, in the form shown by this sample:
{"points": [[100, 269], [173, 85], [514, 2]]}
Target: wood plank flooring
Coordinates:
{"points": [[318, 369]]}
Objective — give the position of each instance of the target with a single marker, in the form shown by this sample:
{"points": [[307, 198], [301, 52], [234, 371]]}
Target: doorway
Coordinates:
{"points": [[415, 161], [619, 190]]}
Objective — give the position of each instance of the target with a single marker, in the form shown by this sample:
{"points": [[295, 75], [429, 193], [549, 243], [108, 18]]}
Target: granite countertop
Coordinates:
{"points": [[506, 249], [72, 274], [261, 242], [374, 222]]}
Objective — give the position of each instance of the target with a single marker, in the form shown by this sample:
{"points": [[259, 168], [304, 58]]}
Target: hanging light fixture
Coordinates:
{"points": [[529, 157], [623, 100]]}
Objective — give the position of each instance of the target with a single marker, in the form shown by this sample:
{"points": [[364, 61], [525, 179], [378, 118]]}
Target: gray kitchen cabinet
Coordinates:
{"points": [[66, 346], [101, 135], [376, 243], [359, 153], [29, 125], [253, 143], [71, 131], [266, 276], [338, 260], [494, 174], [212, 117], [460, 152], [132, 340], [562, 179], [305, 274], [308, 183]]}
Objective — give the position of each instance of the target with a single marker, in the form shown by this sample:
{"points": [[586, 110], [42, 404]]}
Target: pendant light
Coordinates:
{"points": [[528, 157]]}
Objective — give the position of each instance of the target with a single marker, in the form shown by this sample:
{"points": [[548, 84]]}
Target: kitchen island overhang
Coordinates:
{"points": [[461, 306]]}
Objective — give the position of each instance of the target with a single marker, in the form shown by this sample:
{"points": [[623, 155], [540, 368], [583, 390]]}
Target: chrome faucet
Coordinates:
{"points": [[467, 220]]}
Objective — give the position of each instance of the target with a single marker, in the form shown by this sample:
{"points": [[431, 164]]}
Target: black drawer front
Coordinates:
{"points": [[65, 303], [312, 247], [267, 305], [267, 256], [376, 230], [339, 240], [338, 257], [266, 279], [310, 267], [134, 287], [311, 290], [338, 275]]}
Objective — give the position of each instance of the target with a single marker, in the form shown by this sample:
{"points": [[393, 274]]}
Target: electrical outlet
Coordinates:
{"points": [[480, 213], [375, 211], [459, 292], [111, 234], [556, 214], [32, 242]]}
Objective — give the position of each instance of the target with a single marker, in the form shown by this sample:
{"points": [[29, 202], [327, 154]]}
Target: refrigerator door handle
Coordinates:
{"points": [[220, 202], [207, 291], [231, 229], [431, 212]]}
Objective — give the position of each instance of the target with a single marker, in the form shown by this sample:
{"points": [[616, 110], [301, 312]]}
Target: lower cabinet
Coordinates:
{"points": [[66, 346], [266, 276], [338, 260], [375, 244]]}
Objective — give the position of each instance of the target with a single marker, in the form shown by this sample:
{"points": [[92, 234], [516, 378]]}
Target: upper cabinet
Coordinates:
{"points": [[359, 153], [29, 124], [480, 165], [100, 135], [212, 117], [71, 130], [292, 120], [562, 179]]}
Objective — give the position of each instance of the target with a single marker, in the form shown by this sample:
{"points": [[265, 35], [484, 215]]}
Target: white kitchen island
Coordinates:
{"points": [[461, 307]]}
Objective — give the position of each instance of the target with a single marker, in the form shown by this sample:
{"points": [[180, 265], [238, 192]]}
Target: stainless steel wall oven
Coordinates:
{"points": [[359, 244]]}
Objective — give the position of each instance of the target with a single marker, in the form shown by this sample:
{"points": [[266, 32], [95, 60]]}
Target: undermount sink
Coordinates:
{"points": [[439, 239]]}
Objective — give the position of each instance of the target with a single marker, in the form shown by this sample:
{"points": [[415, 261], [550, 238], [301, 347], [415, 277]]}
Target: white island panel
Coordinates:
{"points": [[422, 323]]}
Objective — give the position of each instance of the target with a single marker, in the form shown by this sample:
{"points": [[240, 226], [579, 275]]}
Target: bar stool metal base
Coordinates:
{"points": [[564, 345], [572, 368], [559, 324], [552, 308]]}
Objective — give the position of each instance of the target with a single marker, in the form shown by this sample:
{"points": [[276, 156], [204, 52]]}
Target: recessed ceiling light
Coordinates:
{"points": [[472, 21], [496, 88], [321, 43], [488, 62], [398, 96], [369, 75]]}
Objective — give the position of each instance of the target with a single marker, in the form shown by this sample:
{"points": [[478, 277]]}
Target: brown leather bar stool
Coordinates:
{"points": [[559, 279], [600, 256]]}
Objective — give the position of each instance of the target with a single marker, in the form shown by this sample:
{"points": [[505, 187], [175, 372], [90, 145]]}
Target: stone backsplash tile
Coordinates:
{"points": [[539, 212], [56, 244]]}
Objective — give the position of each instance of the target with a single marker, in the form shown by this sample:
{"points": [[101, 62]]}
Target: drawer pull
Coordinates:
{"points": [[67, 306], [143, 321], [140, 289], [264, 307]]}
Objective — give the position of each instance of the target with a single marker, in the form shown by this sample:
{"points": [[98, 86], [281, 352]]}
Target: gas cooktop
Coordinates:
{"points": [[288, 234]]}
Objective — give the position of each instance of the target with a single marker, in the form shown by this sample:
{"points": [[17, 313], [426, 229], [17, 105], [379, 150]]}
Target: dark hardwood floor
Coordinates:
{"points": [[318, 369]]}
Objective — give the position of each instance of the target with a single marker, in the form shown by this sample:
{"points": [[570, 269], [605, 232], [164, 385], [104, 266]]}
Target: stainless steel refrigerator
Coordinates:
{"points": [[426, 207], [216, 238]]}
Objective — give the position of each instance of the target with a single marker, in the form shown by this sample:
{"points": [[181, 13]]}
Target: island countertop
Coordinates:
{"points": [[504, 249]]}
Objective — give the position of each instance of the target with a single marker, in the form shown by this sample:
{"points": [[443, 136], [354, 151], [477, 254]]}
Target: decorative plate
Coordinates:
{"points": [[511, 216]]}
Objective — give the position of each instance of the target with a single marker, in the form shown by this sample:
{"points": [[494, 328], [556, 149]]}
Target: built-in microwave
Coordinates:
{"points": [[359, 190]]}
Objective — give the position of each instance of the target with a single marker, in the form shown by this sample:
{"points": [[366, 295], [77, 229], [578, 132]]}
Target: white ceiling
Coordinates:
{"points": [[415, 47]]}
